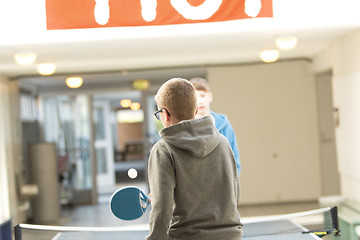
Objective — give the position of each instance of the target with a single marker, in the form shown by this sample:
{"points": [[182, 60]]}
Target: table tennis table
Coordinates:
{"points": [[268, 230]]}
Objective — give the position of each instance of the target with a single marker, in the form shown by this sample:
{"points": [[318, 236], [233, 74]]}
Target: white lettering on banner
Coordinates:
{"points": [[148, 10], [102, 11], [252, 7], [201, 12]]}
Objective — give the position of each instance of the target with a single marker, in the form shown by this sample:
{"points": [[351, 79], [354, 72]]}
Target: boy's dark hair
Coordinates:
{"points": [[200, 84]]}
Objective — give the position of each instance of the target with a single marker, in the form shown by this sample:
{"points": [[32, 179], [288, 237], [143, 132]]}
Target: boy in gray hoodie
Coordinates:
{"points": [[192, 173]]}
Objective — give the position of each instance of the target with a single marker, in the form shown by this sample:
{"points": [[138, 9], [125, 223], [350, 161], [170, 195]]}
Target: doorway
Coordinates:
{"points": [[329, 166], [103, 144], [67, 121]]}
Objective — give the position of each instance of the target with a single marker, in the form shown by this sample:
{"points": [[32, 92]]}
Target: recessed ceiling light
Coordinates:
{"points": [[135, 106], [269, 56], [286, 42], [125, 103], [46, 68], [74, 82], [25, 58]]}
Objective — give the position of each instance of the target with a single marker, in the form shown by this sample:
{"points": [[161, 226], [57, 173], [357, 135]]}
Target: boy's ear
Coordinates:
{"points": [[210, 96], [167, 117]]}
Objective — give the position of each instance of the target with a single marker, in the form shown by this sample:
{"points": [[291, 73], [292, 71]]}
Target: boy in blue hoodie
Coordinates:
{"points": [[192, 173], [204, 98]]}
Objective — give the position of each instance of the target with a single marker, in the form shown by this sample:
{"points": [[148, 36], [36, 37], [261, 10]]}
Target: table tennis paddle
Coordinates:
{"points": [[128, 203]]}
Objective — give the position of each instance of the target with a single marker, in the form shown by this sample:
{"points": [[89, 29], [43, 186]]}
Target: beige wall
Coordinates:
{"points": [[273, 110], [345, 57]]}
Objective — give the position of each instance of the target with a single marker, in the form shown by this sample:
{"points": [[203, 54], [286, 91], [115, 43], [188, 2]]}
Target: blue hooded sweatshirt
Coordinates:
{"points": [[224, 127]]}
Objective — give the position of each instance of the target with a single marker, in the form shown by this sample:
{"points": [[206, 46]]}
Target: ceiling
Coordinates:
{"points": [[160, 52]]}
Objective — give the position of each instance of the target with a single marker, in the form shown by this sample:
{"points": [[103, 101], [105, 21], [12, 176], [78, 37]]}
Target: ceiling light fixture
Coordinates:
{"points": [[46, 68], [141, 84], [25, 58], [269, 56], [74, 82], [125, 103], [135, 106], [286, 42]]}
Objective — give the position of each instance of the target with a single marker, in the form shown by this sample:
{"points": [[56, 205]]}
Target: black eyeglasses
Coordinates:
{"points": [[157, 113]]}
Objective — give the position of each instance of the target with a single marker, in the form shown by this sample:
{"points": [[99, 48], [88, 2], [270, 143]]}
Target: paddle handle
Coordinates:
{"points": [[144, 200]]}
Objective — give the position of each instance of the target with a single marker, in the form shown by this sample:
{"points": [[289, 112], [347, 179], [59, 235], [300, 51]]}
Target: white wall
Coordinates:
{"points": [[4, 151], [345, 58], [273, 110], [10, 152], [321, 62]]}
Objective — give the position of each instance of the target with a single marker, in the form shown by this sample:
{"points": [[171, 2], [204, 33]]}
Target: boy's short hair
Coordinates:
{"points": [[200, 84], [178, 96]]}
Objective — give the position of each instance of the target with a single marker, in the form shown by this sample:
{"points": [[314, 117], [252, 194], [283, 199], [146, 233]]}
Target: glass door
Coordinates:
{"points": [[103, 144], [67, 122]]}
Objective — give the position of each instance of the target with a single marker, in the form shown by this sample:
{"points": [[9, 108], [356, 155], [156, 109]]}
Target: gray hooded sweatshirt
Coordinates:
{"points": [[194, 184]]}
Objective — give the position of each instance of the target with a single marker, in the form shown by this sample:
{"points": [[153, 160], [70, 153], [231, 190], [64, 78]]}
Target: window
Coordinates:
{"points": [[27, 107]]}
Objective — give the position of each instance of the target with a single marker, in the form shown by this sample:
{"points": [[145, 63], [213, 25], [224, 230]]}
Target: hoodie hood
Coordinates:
{"points": [[197, 136], [221, 121]]}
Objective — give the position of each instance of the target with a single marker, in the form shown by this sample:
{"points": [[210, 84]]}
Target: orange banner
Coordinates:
{"points": [[72, 14]]}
